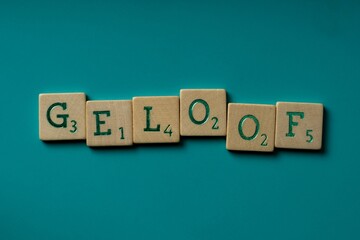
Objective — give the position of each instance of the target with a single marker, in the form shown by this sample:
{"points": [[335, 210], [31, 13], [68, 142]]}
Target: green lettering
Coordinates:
{"points": [[74, 127], [241, 124], [148, 121], [63, 116], [292, 123], [98, 123], [215, 126], [122, 133], [207, 111]]}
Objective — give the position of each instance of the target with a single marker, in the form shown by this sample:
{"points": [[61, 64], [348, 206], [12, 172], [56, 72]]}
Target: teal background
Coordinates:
{"points": [[259, 51]]}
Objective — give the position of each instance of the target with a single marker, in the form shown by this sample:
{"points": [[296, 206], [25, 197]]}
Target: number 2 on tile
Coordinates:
{"points": [[215, 126], [264, 142]]}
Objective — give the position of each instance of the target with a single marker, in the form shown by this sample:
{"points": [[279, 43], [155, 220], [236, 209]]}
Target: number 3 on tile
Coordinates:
{"points": [[74, 126], [168, 130]]}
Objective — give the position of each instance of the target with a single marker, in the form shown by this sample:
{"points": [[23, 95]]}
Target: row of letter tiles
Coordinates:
{"points": [[203, 112]]}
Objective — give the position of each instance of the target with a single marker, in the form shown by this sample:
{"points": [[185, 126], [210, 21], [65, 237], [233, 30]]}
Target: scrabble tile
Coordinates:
{"points": [[109, 123], [156, 119], [299, 125], [251, 127], [203, 112], [62, 116]]}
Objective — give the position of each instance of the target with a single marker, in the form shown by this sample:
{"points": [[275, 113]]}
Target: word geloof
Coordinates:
{"points": [[196, 112]]}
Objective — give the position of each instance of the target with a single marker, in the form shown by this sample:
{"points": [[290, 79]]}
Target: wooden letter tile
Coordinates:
{"points": [[251, 127], [109, 123], [203, 112], [299, 125], [156, 119], [62, 116]]}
